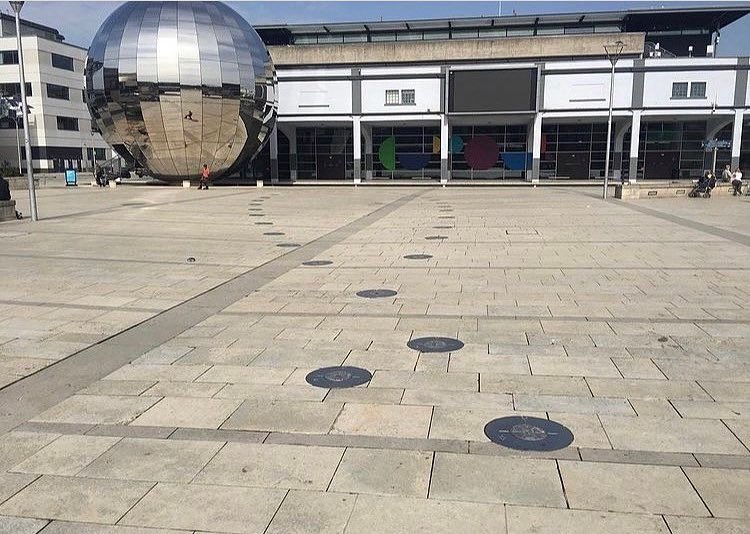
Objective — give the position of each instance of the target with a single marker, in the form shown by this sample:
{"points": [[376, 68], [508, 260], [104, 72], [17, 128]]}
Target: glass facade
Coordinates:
{"points": [[509, 139], [576, 151], [404, 152], [324, 153]]}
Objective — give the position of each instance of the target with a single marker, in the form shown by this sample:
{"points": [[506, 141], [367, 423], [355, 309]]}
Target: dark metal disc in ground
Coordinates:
{"points": [[443, 227], [418, 256], [436, 237], [273, 233], [191, 260], [528, 433], [376, 293], [435, 344], [264, 223], [317, 263], [254, 209], [338, 377], [255, 215], [446, 217], [288, 245]]}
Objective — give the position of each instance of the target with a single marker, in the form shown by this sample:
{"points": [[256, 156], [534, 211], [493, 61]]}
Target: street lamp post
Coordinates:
{"points": [[18, 145], [17, 5], [613, 54]]}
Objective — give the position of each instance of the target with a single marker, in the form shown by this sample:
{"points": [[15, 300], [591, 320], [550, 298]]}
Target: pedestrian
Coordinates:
{"points": [[726, 176], [737, 182], [205, 174], [99, 176]]}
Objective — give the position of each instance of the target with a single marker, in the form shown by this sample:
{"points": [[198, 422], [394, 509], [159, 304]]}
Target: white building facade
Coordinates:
{"points": [[506, 98], [60, 130]]}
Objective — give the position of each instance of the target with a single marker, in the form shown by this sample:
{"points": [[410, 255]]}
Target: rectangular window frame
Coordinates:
{"points": [[678, 95], [408, 97], [62, 62], [67, 124], [702, 94], [59, 92], [400, 97]]}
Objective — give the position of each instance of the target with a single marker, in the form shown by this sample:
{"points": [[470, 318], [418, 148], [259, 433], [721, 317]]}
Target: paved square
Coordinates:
{"points": [[178, 398]]}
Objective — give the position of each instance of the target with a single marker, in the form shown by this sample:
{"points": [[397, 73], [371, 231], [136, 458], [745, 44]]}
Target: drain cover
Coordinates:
{"points": [[446, 217], [436, 237], [528, 433], [338, 377], [191, 260], [273, 233], [264, 223], [376, 293], [254, 209], [435, 344], [288, 245], [443, 227], [255, 215], [418, 256], [316, 263]]}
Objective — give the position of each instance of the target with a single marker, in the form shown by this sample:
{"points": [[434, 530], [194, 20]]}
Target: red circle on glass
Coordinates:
{"points": [[481, 153]]}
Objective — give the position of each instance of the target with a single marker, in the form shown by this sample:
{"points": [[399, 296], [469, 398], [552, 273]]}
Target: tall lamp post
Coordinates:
{"points": [[613, 54], [17, 5]]}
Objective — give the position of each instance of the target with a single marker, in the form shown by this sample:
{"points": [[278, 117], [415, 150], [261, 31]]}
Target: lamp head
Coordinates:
{"points": [[16, 6]]}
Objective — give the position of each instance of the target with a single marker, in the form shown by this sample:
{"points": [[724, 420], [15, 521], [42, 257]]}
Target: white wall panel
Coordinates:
{"points": [[426, 91], [657, 90], [315, 97], [586, 91]]}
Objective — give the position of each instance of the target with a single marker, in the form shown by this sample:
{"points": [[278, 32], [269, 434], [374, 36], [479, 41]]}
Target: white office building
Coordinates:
{"points": [[60, 125], [511, 97]]}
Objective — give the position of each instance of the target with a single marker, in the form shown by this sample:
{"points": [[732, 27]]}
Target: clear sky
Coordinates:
{"points": [[78, 21]]}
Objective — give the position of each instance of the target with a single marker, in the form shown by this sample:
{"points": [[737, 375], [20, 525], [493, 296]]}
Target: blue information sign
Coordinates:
{"points": [[71, 177]]}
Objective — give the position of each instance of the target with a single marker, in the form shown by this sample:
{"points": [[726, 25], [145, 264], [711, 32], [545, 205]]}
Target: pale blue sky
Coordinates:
{"points": [[78, 21]]}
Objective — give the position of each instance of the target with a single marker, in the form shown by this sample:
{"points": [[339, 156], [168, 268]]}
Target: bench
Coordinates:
{"points": [[667, 190], [7, 210]]}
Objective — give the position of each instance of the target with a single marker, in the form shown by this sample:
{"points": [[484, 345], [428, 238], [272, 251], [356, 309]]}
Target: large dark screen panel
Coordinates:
{"points": [[493, 90]]}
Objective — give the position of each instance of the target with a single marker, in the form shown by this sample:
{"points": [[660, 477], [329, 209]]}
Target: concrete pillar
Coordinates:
{"points": [[737, 138], [445, 173], [367, 134], [274, 146], [635, 139], [536, 148], [357, 144]]}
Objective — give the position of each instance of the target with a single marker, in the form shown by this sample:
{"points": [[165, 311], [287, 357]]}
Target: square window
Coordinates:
{"points": [[408, 97], [391, 97], [698, 90], [679, 90]]}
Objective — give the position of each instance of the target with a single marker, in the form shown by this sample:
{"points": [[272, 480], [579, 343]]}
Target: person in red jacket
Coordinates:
{"points": [[205, 174]]}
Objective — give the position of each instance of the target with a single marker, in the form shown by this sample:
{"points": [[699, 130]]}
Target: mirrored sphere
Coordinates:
{"points": [[176, 85]]}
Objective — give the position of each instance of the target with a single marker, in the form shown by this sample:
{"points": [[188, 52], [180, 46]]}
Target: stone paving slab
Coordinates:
{"points": [[636, 341]]}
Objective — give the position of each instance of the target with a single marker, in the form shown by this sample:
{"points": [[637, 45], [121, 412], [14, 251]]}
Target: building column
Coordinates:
{"points": [[536, 148], [635, 139], [739, 116], [274, 146], [367, 134], [357, 144], [445, 173]]}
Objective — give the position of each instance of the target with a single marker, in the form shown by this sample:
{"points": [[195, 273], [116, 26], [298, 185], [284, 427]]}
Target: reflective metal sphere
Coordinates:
{"points": [[175, 85]]}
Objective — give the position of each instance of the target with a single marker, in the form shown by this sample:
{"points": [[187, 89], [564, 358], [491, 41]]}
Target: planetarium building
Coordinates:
{"points": [[506, 98]]}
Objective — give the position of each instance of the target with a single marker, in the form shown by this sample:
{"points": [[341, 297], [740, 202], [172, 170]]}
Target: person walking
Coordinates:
{"points": [[205, 174], [737, 182], [726, 175]]}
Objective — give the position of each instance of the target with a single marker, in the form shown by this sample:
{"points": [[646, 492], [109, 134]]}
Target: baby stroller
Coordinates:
{"points": [[703, 188]]}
